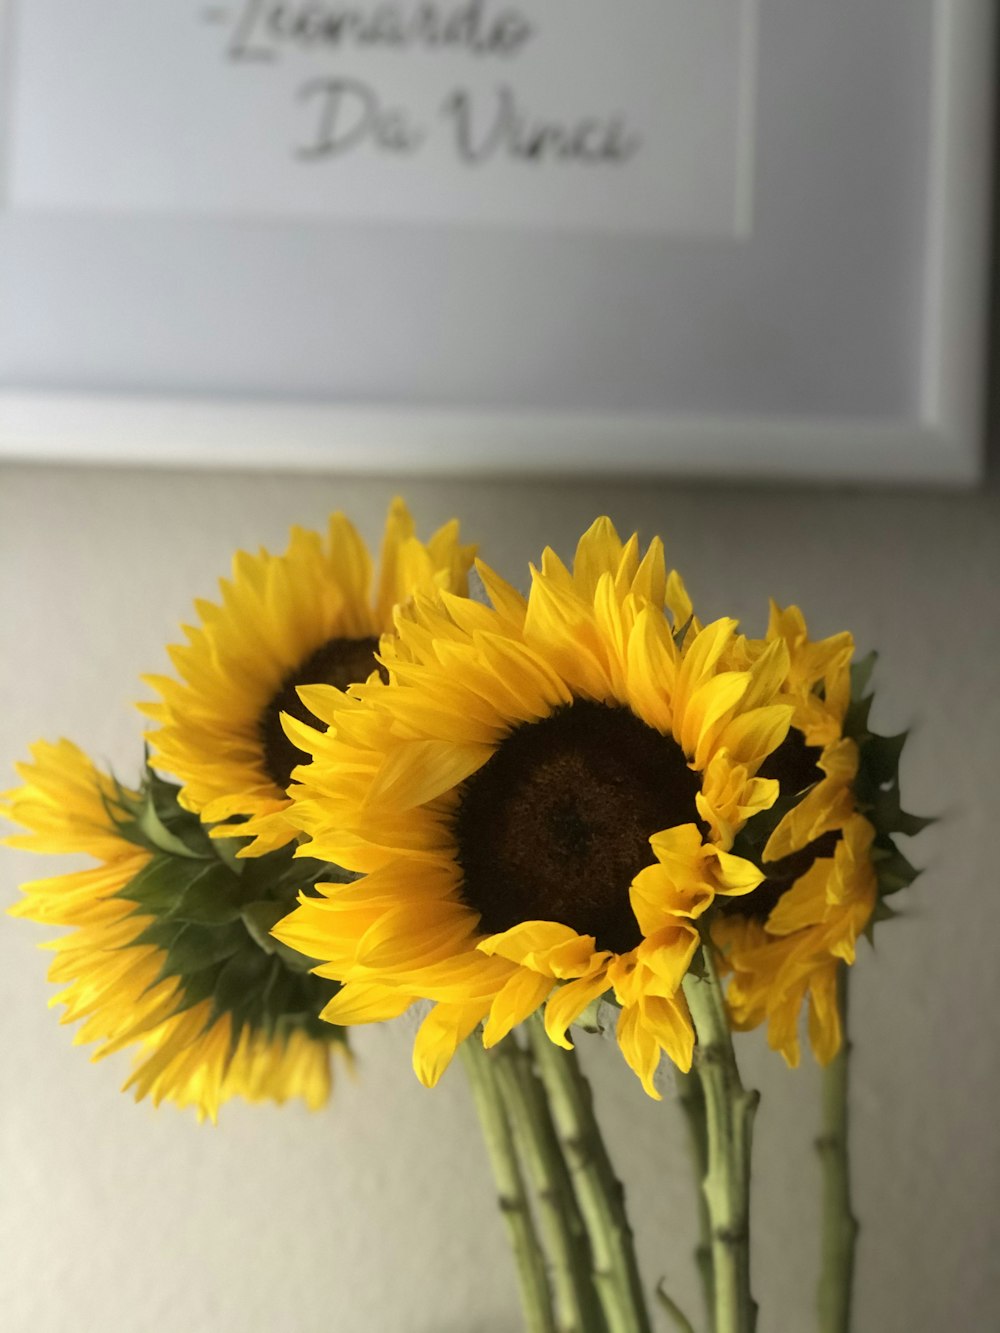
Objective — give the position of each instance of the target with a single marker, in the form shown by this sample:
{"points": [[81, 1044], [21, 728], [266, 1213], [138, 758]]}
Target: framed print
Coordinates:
{"points": [[699, 237]]}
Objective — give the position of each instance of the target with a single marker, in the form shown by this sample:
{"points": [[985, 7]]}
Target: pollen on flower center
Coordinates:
{"points": [[556, 825], [339, 662]]}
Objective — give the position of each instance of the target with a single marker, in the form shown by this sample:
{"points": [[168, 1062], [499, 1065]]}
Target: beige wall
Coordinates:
{"points": [[376, 1216]]}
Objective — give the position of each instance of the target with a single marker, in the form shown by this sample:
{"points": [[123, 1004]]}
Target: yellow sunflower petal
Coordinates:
{"points": [[547, 947], [775, 965], [507, 601], [822, 809], [365, 1002], [418, 772], [597, 553], [439, 1036], [503, 744], [665, 957], [568, 1002], [520, 997], [824, 1015], [124, 992], [669, 1021], [639, 1047], [297, 619]]}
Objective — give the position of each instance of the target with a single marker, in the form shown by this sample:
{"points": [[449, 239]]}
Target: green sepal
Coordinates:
{"points": [[881, 757], [590, 1019], [883, 912], [681, 634], [856, 719], [122, 811], [211, 912], [194, 948], [197, 988], [587, 1021], [876, 786], [173, 888], [283, 876], [259, 918], [155, 819], [160, 884], [155, 833], [239, 983], [696, 967], [892, 869], [888, 816], [213, 898]]}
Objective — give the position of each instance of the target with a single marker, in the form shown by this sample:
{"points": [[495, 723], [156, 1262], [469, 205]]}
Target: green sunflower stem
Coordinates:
{"points": [[576, 1306], [729, 1113], [840, 1227], [602, 1198], [536, 1299], [691, 1095]]}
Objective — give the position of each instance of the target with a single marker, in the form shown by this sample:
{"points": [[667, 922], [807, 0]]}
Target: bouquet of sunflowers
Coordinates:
{"points": [[537, 818]]}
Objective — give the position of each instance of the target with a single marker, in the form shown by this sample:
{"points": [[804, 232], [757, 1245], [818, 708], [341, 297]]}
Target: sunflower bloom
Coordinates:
{"points": [[155, 944], [828, 860], [540, 802], [310, 615]]}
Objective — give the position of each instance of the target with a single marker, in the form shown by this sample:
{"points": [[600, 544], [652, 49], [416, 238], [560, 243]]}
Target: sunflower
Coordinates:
{"points": [[541, 802], [161, 956], [307, 616], [826, 846]]}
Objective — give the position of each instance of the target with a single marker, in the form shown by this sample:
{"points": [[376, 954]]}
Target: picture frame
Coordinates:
{"points": [[130, 337]]}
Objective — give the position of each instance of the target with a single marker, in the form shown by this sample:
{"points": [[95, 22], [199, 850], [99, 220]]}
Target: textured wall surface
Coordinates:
{"points": [[377, 1216]]}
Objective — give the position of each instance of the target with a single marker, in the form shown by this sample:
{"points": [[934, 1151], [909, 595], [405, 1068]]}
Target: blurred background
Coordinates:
{"points": [[184, 374]]}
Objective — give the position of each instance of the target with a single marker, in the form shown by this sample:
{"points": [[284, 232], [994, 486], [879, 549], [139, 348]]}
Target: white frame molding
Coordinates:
{"points": [[945, 446]]}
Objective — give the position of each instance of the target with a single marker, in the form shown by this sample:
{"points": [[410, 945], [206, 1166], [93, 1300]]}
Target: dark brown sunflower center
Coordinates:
{"points": [[794, 764], [781, 875], [556, 825], [339, 662]]}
